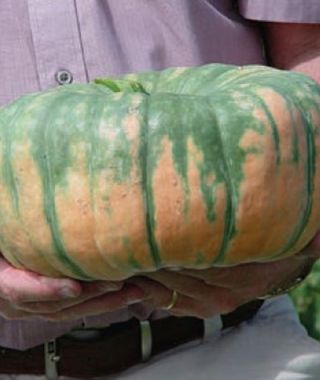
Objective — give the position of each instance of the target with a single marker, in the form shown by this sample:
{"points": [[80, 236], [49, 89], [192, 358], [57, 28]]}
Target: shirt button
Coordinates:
{"points": [[63, 77]]}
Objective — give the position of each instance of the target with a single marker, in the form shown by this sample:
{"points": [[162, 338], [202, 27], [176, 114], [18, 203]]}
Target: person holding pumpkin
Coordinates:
{"points": [[43, 44]]}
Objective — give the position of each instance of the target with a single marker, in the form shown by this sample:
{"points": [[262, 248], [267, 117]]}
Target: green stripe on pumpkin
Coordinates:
{"points": [[8, 135], [272, 122], [146, 183], [7, 168], [50, 150]]}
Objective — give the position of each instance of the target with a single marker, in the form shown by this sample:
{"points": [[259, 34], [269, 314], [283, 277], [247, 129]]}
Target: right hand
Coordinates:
{"points": [[27, 295]]}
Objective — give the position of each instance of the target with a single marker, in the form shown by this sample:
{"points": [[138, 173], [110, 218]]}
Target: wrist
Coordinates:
{"points": [[295, 280]]}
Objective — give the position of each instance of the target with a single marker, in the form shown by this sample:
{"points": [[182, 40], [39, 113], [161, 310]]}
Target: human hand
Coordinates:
{"points": [[97, 298], [205, 293], [27, 295]]}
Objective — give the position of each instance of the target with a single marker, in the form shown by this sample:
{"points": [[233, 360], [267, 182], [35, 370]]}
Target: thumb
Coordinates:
{"points": [[18, 285]]}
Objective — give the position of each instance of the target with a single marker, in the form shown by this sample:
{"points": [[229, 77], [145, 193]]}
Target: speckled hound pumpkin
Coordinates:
{"points": [[189, 167]]}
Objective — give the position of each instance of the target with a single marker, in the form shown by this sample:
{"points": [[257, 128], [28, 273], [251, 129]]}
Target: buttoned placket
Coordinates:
{"points": [[57, 42]]}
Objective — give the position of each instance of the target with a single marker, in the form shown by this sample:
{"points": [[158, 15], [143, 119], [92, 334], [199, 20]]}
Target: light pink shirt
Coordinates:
{"points": [[106, 37]]}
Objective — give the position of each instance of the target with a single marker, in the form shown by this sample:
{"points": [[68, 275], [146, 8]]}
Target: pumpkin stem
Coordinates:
{"points": [[121, 85]]}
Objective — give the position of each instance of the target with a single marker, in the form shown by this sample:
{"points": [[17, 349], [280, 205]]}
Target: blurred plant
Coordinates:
{"points": [[307, 301]]}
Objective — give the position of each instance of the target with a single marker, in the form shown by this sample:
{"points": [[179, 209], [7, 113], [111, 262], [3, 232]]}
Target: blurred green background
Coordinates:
{"points": [[307, 301]]}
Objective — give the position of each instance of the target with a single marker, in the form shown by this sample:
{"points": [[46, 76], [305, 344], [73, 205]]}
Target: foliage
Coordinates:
{"points": [[307, 301]]}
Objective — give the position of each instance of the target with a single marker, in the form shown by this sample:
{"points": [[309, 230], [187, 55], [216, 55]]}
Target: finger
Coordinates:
{"points": [[251, 278], [90, 290], [222, 300], [159, 295], [250, 281], [246, 282], [105, 303], [187, 285], [230, 277], [10, 313], [204, 302], [220, 297], [18, 285]]}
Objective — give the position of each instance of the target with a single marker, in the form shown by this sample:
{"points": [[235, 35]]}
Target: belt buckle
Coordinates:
{"points": [[51, 358], [51, 355], [89, 334]]}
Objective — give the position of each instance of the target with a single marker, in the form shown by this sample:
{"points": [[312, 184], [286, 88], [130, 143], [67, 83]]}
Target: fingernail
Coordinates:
{"points": [[67, 292], [110, 286]]}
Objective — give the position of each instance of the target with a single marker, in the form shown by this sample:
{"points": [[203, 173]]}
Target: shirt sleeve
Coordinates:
{"points": [[295, 11]]}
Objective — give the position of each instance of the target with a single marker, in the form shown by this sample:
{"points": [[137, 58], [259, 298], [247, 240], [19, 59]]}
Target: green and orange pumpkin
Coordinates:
{"points": [[188, 167]]}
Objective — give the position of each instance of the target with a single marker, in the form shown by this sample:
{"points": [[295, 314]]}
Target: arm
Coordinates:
{"points": [[294, 47], [27, 295]]}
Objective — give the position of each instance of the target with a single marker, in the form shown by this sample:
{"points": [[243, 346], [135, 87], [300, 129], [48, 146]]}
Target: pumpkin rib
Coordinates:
{"points": [[310, 164], [265, 100], [310, 173], [310, 150], [7, 166], [114, 264], [91, 151], [92, 178], [230, 193], [147, 188], [13, 256], [45, 171], [10, 181]]}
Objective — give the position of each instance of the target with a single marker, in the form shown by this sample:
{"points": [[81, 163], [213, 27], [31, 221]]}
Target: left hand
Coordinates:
{"points": [[28, 295], [205, 293]]}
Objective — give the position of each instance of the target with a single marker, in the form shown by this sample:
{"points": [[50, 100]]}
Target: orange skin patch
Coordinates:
{"points": [[76, 218], [76, 222], [121, 232], [182, 235], [28, 233], [119, 213]]}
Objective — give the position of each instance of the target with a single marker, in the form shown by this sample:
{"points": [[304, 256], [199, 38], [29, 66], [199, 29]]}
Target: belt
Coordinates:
{"points": [[91, 353]]}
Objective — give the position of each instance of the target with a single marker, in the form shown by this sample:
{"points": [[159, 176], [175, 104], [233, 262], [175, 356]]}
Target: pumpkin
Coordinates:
{"points": [[183, 168]]}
